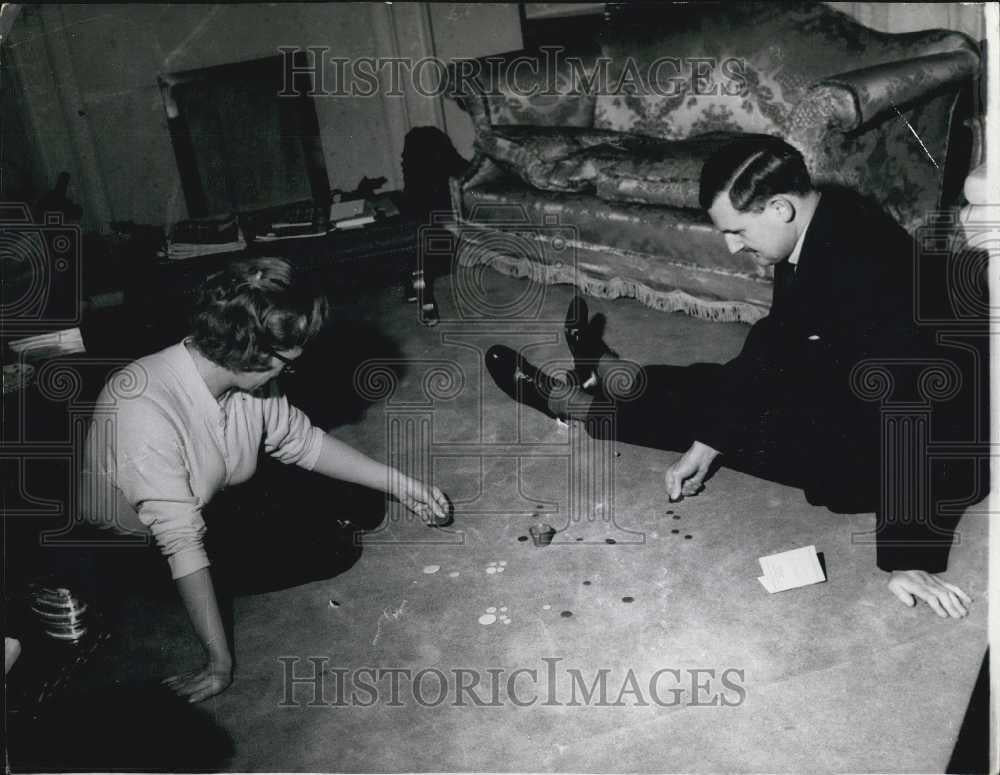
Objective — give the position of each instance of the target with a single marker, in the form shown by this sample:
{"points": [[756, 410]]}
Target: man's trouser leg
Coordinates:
{"points": [[832, 455], [663, 406]]}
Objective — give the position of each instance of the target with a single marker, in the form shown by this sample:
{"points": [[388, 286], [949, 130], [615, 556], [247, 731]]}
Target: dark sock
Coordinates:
{"points": [[568, 401]]}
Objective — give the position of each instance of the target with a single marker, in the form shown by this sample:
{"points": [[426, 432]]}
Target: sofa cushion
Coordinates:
{"points": [[619, 167], [672, 259], [513, 109], [550, 158], [661, 173], [673, 234]]}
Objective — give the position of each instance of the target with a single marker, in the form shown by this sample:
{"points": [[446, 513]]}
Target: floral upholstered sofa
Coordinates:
{"points": [[588, 157]]}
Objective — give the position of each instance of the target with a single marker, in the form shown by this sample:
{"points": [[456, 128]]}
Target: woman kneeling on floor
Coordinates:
{"points": [[192, 423]]}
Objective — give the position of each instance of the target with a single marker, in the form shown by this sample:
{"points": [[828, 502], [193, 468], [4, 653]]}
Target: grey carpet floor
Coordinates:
{"points": [[648, 652]]}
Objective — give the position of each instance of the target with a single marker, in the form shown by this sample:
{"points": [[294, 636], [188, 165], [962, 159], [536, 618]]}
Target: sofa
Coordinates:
{"points": [[589, 153]]}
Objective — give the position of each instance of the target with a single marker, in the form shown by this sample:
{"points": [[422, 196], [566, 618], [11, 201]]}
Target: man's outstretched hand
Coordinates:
{"points": [[945, 599], [685, 477]]}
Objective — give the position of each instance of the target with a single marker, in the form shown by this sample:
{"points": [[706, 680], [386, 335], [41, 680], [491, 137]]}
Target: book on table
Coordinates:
{"points": [[346, 210]]}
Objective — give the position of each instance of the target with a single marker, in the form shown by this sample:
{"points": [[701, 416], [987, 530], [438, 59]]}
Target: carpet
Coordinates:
{"points": [[639, 641]]}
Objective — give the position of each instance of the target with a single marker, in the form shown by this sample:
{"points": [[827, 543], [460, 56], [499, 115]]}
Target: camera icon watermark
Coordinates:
{"points": [[42, 271], [506, 238]]}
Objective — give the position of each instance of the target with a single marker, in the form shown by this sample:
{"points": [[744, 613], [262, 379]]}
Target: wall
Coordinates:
{"points": [[471, 30], [911, 17], [92, 102], [20, 178], [88, 74]]}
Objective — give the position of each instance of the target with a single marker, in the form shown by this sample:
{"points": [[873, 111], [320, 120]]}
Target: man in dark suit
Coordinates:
{"points": [[791, 407]]}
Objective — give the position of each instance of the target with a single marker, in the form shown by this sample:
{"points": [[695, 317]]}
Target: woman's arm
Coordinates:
{"points": [[290, 437], [198, 593], [341, 461]]}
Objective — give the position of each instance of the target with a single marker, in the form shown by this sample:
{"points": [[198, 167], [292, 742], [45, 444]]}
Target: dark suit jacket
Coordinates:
{"points": [[851, 298]]}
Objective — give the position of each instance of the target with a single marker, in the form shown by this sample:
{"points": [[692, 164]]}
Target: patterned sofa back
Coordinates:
{"points": [[547, 87], [875, 112], [742, 67], [677, 70]]}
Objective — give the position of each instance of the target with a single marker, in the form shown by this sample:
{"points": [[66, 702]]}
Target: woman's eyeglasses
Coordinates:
{"points": [[289, 363]]}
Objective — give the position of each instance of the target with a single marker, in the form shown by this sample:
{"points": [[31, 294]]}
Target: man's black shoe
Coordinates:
{"points": [[522, 381]]}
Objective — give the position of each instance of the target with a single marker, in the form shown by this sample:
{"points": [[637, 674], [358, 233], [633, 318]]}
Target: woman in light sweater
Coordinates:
{"points": [[190, 421]]}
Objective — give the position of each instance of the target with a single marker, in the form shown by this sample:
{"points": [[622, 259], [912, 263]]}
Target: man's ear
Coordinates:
{"points": [[782, 207]]}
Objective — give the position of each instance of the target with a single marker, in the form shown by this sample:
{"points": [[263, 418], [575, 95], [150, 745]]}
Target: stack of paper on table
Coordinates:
{"points": [[204, 237]]}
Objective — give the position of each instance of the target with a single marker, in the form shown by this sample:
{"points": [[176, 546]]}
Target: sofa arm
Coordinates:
{"points": [[852, 100], [861, 129]]}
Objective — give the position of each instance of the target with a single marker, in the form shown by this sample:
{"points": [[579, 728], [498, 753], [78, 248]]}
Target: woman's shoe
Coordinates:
{"points": [[522, 381]]}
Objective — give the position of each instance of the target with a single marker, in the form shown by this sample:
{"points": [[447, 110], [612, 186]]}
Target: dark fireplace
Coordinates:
{"points": [[240, 145]]}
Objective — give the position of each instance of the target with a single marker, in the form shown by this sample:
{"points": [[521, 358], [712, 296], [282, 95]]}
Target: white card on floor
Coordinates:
{"points": [[791, 569]]}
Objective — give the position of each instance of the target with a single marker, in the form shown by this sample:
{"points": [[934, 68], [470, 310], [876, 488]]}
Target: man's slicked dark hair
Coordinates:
{"points": [[753, 169], [252, 308]]}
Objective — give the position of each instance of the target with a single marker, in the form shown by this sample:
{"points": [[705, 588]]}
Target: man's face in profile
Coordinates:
{"points": [[768, 236]]}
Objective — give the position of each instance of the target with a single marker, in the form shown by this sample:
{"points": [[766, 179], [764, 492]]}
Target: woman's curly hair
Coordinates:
{"points": [[251, 308]]}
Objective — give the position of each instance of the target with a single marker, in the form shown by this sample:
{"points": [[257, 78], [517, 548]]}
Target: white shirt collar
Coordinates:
{"points": [[793, 259]]}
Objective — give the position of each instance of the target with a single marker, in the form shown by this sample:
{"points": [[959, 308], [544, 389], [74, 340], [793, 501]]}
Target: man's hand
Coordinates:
{"points": [[198, 685], [685, 477], [946, 599], [428, 503]]}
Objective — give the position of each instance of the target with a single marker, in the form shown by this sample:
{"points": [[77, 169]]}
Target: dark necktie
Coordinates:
{"points": [[784, 280]]}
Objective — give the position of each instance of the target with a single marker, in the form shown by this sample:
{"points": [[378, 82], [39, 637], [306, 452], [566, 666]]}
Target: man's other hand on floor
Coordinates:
{"points": [[945, 599]]}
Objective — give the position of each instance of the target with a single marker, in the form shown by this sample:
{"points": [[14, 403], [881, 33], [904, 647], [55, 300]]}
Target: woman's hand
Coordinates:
{"points": [[198, 593], [198, 685], [428, 503]]}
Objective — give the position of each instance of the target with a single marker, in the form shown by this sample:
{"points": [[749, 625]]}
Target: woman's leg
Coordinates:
{"points": [[287, 526]]}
